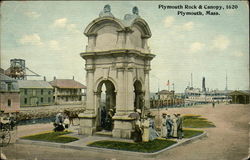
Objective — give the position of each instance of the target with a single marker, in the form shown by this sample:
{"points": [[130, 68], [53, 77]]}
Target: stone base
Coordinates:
{"points": [[122, 127], [87, 124]]}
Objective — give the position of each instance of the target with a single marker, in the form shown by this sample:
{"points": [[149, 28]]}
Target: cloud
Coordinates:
{"points": [[187, 26], [238, 54], [54, 45], [168, 21], [32, 39], [72, 28], [196, 46], [63, 23], [32, 14], [221, 42], [60, 23]]}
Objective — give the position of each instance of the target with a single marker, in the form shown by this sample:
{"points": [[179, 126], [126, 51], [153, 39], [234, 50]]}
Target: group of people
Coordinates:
{"points": [[61, 122], [171, 127], [145, 129]]}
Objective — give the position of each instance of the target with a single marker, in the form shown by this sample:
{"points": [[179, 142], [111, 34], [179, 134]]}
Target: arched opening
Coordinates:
{"points": [[106, 108], [138, 95]]}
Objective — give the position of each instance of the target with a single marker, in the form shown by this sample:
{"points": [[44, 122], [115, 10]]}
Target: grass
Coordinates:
{"points": [[189, 133], [146, 147], [58, 137], [196, 121]]}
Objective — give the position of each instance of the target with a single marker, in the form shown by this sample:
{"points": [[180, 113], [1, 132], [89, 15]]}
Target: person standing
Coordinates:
{"points": [[179, 126], [164, 126], [137, 126], [66, 122], [174, 128], [152, 132], [109, 120], [169, 125], [103, 116]]}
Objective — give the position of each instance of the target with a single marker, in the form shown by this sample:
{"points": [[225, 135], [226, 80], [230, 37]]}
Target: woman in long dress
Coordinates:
{"points": [[163, 126], [175, 127], [152, 132]]}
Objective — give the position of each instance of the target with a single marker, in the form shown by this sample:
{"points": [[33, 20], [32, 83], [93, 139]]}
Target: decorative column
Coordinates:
{"points": [[124, 101], [147, 91], [88, 118]]}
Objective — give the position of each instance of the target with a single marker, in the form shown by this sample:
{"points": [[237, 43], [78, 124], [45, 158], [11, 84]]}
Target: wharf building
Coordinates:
{"points": [[240, 96], [166, 98]]}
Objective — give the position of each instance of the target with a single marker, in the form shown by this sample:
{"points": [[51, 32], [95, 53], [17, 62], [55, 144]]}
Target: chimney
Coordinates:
{"points": [[54, 77], [44, 78]]}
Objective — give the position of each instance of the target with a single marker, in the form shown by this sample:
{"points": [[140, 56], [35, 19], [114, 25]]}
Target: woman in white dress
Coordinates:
{"points": [[174, 127], [152, 132], [163, 126]]}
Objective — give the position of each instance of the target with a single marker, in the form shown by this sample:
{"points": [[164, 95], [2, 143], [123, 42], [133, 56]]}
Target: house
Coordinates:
{"points": [[9, 95], [240, 97], [67, 91], [35, 93]]}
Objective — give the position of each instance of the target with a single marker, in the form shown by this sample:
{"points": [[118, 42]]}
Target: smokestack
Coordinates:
{"points": [[203, 85], [73, 78], [54, 77], [44, 78]]}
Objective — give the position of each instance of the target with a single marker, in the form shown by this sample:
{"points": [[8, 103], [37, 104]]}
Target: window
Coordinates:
{"points": [[49, 92], [9, 102], [41, 91], [25, 100], [67, 99], [42, 100], [49, 99], [25, 91]]}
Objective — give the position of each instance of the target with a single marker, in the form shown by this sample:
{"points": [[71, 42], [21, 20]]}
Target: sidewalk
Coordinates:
{"points": [[84, 140]]}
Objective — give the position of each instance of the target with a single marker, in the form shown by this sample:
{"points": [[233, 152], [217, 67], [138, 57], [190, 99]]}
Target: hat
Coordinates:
{"points": [[111, 109], [138, 110]]}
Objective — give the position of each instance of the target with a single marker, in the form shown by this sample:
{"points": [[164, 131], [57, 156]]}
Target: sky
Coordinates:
{"points": [[49, 36]]}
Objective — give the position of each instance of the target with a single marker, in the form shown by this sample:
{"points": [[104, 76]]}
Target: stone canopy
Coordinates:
{"points": [[117, 55]]}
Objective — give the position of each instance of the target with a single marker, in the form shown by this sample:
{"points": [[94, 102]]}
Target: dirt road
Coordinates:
{"points": [[229, 140]]}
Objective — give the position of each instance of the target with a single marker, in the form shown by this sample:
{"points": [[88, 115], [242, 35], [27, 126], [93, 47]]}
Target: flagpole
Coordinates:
{"points": [[168, 85]]}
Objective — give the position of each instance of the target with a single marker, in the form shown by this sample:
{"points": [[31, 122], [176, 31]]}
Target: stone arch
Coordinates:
{"points": [[98, 81], [143, 27], [140, 79], [98, 23], [139, 95], [107, 108]]}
